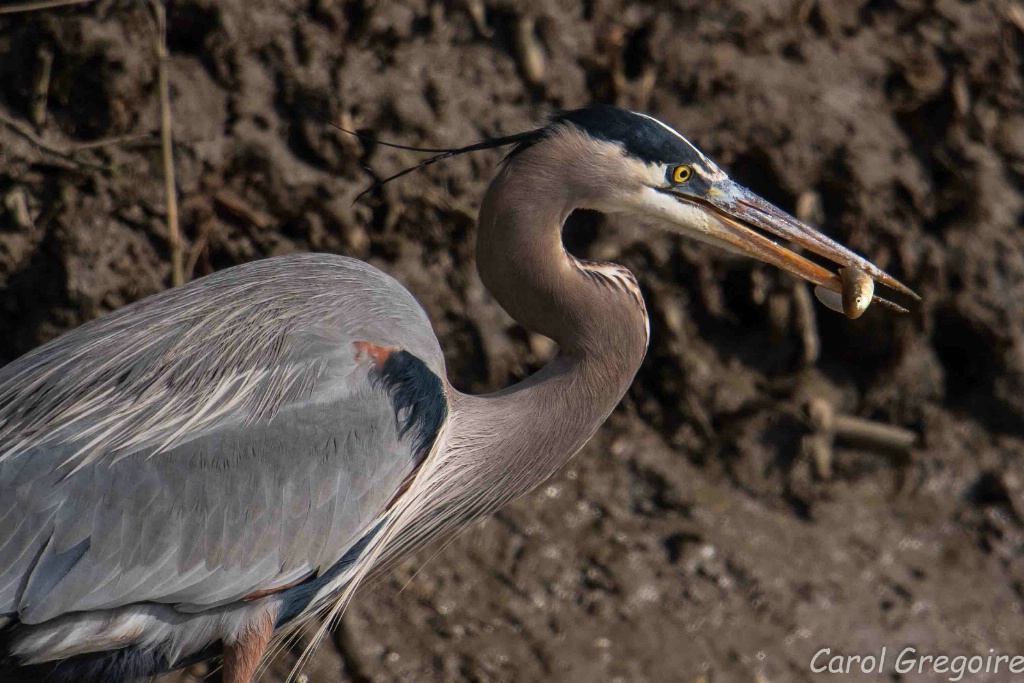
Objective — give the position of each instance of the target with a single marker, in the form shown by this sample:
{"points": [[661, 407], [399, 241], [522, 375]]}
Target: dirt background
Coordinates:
{"points": [[695, 539]]}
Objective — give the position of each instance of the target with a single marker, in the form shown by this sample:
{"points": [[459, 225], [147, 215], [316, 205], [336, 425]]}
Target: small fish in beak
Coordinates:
{"points": [[744, 222], [858, 290]]}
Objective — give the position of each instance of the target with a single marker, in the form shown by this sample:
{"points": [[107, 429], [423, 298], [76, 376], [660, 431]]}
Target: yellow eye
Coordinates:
{"points": [[680, 174]]}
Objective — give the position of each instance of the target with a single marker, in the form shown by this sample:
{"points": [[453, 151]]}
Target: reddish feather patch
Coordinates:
{"points": [[379, 354]]}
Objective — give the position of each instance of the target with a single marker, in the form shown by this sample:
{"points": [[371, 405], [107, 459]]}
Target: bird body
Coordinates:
{"points": [[213, 465], [227, 458]]}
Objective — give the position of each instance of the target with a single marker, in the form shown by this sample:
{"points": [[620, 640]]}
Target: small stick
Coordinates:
{"points": [[236, 206], [961, 93], [807, 323], [42, 89], [780, 313], [476, 11], [818, 447], [700, 417], [41, 4], [200, 243], [173, 235], [870, 433], [27, 133], [531, 55], [1015, 13], [809, 209], [857, 430], [351, 142], [112, 140], [17, 205]]}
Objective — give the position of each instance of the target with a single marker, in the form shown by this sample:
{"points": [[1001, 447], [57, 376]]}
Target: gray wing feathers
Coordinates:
{"points": [[237, 346], [203, 444]]}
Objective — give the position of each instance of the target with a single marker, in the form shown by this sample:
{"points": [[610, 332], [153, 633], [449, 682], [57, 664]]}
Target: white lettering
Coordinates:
{"points": [[957, 668], [953, 667], [814, 667], [959, 665], [907, 666]]}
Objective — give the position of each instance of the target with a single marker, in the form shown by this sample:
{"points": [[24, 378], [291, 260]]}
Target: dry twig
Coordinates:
{"points": [[1015, 13], [17, 205], [857, 430], [68, 154], [198, 247], [238, 208], [173, 234], [126, 139], [529, 50], [477, 14], [41, 4], [807, 323], [809, 209], [41, 93]]}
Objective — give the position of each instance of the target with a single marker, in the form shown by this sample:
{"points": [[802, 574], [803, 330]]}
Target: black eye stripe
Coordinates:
{"points": [[642, 137]]}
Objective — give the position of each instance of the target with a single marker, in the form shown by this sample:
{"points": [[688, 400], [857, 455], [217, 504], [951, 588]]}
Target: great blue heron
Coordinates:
{"points": [[211, 466]]}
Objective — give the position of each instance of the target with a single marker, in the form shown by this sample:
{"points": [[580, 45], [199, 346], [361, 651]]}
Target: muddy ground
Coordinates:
{"points": [[697, 537]]}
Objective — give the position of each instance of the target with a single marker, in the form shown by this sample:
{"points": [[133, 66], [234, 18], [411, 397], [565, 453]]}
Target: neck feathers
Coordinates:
{"points": [[617, 279], [503, 445], [497, 447], [585, 307]]}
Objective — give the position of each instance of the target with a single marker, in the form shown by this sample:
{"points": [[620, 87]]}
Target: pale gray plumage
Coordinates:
{"points": [[237, 454], [192, 401]]}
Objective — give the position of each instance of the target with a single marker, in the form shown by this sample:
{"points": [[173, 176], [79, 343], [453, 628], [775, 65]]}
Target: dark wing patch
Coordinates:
{"points": [[110, 666], [297, 598], [416, 395]]}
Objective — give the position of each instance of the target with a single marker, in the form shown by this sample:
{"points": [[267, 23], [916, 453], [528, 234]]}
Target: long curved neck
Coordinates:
{"points": [[593, 312]]}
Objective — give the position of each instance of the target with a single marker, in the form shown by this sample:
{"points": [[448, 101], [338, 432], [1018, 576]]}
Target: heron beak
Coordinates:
{"points": [[742, 218]]}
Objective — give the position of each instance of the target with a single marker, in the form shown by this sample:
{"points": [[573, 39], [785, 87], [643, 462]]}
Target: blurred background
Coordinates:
{"points": [[778, 480]]}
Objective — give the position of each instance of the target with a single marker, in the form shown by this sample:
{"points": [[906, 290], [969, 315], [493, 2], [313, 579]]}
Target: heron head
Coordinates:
{"points": [[644, 167]]}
